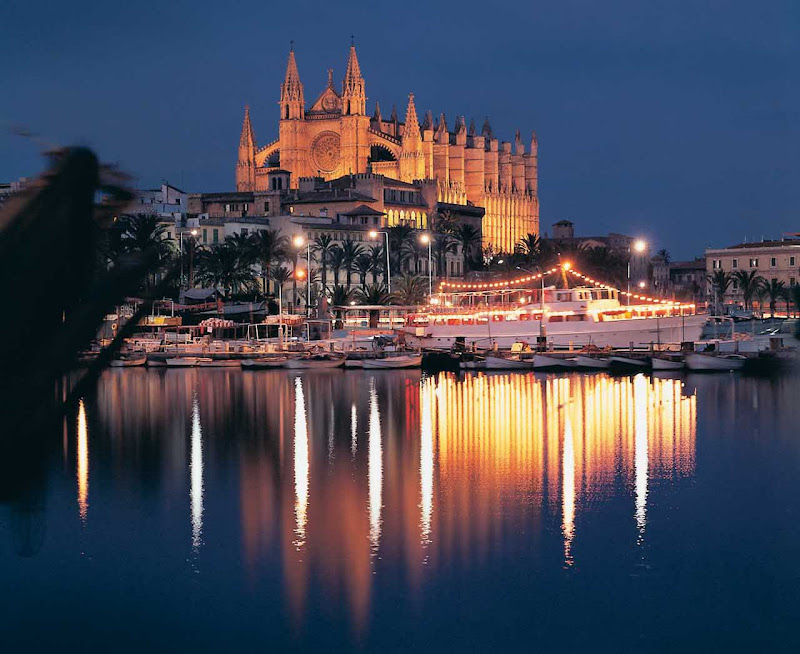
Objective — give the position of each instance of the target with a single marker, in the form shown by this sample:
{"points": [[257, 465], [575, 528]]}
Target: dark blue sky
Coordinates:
{"points": [[677, 121]]}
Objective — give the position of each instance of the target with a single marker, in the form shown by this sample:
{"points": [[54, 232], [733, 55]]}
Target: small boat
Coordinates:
{"points": [[592, 363], [493, 362], [182, 362], [265, 363], [629, 362], [401, 361], [315, 361], [128, 362], [698, 361], [207, 362], [667, 361], [547, 362]]}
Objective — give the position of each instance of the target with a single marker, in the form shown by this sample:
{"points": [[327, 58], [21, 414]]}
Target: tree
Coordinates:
{"points": [[748, 282], [444, 222], [775, 291], [351, 251], [323, 245], [443, 244], [373, 295], [530, 249], [720, 281], [269, 248], [363, 265], [222, 266], [336, 260], [665, 255], [340, 297], [400, 238], [470, 239], [794, 294], [377, 258], [144, 233], [409, 290], [280, 276]]}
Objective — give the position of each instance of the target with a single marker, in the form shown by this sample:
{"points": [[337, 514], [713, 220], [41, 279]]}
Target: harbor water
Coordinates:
{"points": [[224, 510]]}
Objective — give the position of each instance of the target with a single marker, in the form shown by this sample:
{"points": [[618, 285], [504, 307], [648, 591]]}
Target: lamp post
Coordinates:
{"points": [[372, 234], [193, 233], [298, 242], [425, 239], [638, 246]]}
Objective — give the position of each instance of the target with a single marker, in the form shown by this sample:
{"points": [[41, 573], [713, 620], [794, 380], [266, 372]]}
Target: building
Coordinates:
{"points": [[687, 279], [167, 200], [335, 138], [772, 260], [620, 244]]}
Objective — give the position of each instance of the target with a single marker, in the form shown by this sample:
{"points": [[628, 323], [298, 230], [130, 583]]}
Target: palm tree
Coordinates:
{"points": [[373, 295], [603, 263], [775, 290], [223, 267], [350, 251], [340, 297], [530, 248], [720, 281], [748, 283], [280, 276], [400, 237], [377, 257], [143, 233], [470, 239], [443, 244], [268, 249], [665, 255], [444, 222], [409, 290], [363, 265], [323, 244], [337, 261], [794, 294]]}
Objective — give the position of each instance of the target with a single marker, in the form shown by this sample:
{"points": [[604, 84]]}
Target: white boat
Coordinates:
{"points": [[629, 362], [548, 362], [315, 361], [266, 363], [496, 362], [128, 362], [667, 361], [578, 317], [182, 362], [592, 363], [207, 362], [698, 361], [400, 361]]}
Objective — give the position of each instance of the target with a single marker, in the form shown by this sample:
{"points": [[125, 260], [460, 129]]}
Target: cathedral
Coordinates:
{"points": [[335, 137]]}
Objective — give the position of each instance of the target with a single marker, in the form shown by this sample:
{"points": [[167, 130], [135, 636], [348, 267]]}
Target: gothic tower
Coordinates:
{"points": [[412, 162], [291, 130], [355, 122], [246, 166]]}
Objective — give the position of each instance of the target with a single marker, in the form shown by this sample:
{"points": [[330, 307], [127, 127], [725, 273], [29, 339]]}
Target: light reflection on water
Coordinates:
{"points": [[323, 492]]}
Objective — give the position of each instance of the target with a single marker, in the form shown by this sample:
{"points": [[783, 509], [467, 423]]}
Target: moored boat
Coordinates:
{"points": [[550, 362], [400, 361], [667, 361], [708, 362], [592, 363], [128, 362], [265, 363], [182, 362], [495, 362], [630, 362], [208, 362], [315, 361]]}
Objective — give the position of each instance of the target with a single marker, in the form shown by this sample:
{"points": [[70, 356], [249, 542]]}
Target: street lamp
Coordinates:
{"points": [[373, 233], [193, 233], [298, 242], [425, 239], [638, 246]]}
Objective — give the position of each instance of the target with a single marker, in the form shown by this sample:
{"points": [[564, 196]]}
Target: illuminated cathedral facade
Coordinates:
{"points": [[335, 137]]}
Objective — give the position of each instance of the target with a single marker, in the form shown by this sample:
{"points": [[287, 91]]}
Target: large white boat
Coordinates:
{"points": [[578, 317]]}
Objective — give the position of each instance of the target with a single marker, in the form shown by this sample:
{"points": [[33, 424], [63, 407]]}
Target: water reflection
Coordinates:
{"points": [[196, 477], [375, 447], [83, 463], [301, 463], [568, 492]]}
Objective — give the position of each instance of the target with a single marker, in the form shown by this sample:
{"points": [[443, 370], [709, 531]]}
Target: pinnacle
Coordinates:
{"points": [[412, 123]]}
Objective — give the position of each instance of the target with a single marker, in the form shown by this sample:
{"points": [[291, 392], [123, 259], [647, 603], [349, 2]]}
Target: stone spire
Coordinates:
{"points": [[427, 124], [412, 161], [441, 130], [461, 125], [354, 97], [411, 130], [377, 115], [472, 131], [292, 101], [487, 129], [393, 117], [245, 167]]}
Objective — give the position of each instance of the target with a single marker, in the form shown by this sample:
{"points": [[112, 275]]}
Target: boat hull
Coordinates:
{"points": [[128, 363], [263, 364], [667, 364], [412, 361], [592, 363], [615, 334], [313, 364], [503, 363], [544, 362], [219, 363], [710, 363], [182, 362]]}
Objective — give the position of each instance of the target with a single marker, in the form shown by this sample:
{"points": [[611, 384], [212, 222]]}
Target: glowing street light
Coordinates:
{"points": [[638, 246], [299, 241], [642, 284], [373, 233], [425, 239]]}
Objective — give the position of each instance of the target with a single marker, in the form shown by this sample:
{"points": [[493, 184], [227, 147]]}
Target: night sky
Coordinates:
{"points": [[676, 121]]}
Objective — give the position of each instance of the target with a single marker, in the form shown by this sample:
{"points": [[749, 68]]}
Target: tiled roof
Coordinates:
{"points": [[362, 210]]}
